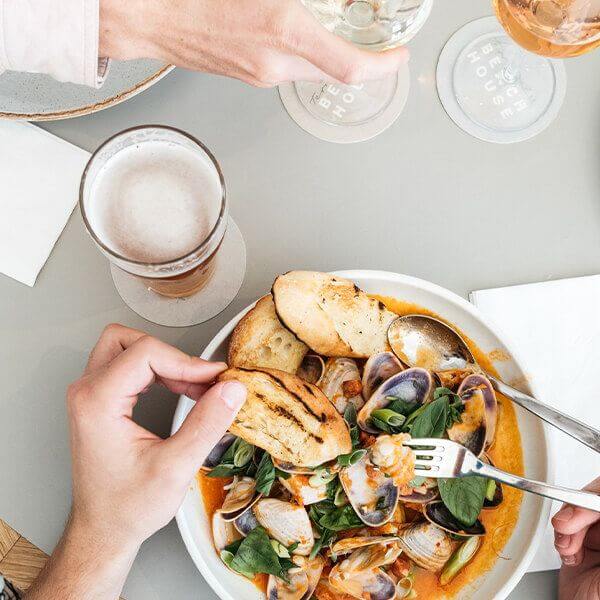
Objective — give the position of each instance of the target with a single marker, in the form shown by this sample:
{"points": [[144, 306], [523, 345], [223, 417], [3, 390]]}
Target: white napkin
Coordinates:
{"points": [[555, 326], [39, 186]]}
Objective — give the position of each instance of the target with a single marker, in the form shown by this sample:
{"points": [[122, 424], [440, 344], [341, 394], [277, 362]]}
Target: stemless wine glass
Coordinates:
{"points": [[153, 200], [350, 113], [503, 92]]}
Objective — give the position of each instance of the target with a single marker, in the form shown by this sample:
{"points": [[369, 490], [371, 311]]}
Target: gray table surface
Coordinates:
{"points": [[423, 199]]}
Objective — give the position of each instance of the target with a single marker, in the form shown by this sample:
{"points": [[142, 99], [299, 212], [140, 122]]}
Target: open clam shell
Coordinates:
{"points": [[224, 533], [302, 491], [414, 386], [478, 426], [427, 545], [240, 497], [423, 494], [215, 455], [246, 522], [294, 589], [286, 522], [373, 584], [440, 516], [311, 369], [379, 368], [341, 383], [314, 569], [353, 543], [373, 495]]}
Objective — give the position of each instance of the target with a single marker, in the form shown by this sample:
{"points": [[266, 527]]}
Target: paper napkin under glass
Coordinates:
{"points": [[555, 327], [39, 187]]}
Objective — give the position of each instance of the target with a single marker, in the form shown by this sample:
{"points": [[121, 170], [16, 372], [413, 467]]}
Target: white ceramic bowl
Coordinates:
{"points": [[194, 524]]}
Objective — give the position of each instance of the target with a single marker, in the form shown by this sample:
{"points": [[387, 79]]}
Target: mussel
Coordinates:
{"points": [[224, 533], [478, 420], [240, 497], [427, 545], [373, 495], [295, 588], [379, 368], [311, 369], [341, 383], [215, 455], [413, 386], [440, 516], [246, 522], [286, 522]]}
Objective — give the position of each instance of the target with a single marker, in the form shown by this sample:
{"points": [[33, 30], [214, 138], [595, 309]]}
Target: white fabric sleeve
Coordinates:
{"points": [[56, 37]]}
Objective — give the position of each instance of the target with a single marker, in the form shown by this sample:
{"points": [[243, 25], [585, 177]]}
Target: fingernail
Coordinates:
{"points": [[561, 540], [233, 394], [568, 560], [565, 514]]}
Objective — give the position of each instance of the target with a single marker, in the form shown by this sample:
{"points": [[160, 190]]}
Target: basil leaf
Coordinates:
{"points": [[265, 474], [326, 539], [442, 391], [350, 414], [432, 421], [328, 516], [282, 474], [256, 555], [463, 497], [227, 466], [221, 471], [400, 406]]}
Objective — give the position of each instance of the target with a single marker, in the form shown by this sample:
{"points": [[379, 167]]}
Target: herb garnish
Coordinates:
{"points": [[464, 497]]}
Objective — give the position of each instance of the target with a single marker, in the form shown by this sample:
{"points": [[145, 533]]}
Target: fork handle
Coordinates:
{"points": [[576, 429], [574, 497]]}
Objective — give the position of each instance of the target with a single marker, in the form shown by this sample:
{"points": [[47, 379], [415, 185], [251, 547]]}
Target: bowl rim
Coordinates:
{"points": [[450, 297]]}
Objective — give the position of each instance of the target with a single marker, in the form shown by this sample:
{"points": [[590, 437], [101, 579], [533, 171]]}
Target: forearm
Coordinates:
{"points": [[84, 566]]}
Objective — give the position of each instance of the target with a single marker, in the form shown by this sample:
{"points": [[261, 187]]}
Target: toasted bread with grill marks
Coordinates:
{"points": [[289, 418], [331, 314], [260, 340]]}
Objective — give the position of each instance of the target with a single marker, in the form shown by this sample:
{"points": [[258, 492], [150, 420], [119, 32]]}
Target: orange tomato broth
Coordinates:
{"points": [[506, 453]]}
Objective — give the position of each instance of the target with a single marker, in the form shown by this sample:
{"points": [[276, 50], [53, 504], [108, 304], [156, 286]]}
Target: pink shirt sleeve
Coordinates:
{"points": [[56, 37]]}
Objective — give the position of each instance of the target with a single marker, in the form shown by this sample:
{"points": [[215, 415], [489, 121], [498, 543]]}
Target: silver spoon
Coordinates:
{"points": [[420, 341]]}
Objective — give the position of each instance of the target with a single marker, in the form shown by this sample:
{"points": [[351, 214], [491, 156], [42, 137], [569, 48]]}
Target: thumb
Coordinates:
{"points": [[206, 423]]}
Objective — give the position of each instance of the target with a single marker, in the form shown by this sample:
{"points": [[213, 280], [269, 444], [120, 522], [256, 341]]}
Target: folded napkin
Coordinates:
{"points": [[555, 327], [39, 186]]}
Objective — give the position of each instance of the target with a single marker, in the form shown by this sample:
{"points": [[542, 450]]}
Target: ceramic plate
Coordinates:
{"points": [[533, 516], [35, 97]]}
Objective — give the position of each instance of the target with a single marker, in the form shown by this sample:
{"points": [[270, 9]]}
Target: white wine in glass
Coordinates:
{"points": [[552, 28], [351, 113]]}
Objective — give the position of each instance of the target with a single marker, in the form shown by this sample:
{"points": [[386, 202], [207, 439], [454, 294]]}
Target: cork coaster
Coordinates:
{"points": [[20, 561]]}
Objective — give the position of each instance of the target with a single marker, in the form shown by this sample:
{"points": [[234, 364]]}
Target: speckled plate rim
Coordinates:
{"points": [[92, 108], [534, 512]]}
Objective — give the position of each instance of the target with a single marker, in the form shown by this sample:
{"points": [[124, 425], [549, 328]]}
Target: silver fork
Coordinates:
{"points": [[443, 458]]}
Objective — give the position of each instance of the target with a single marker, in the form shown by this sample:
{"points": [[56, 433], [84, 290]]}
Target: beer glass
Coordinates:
{"points": [[153, 200], [505, 92]]}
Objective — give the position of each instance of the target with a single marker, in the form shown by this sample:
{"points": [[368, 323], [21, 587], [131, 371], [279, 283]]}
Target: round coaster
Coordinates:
{"points": [[212, 299], [344, 114], [493, 89]]}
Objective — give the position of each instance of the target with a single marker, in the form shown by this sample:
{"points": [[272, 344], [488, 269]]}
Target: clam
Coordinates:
{"points": [[478, 420], [299, 486], [215, 455], [352, 543], [313, 569], [240, 497], [427, 545], [224, 533], [288, 467], [246, 522], [423, 493], [440, 516], [341, 383], [372, 584], [373, 495], [295, 588], [379, 368], [286, 522], [413, 386], [311, 369]]}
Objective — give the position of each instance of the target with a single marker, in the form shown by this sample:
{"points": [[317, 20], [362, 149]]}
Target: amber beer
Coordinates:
{"points": [[154, 201], [552, 28]]}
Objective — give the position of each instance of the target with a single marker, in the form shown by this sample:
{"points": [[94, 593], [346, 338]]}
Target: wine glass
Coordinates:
{"points": [[502, 91], [351, 113]]}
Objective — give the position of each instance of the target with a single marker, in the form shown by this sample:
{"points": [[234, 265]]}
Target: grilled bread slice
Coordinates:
{"points": [[260, 340], [331, 314], [289, 418]]}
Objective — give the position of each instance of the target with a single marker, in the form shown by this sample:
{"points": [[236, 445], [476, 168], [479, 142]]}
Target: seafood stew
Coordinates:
{"points": [[313, 494]]}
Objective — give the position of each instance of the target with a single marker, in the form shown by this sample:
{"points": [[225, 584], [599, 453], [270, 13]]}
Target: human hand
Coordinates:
{"points": [[577, 540], [261, 42], [128, 482]]}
